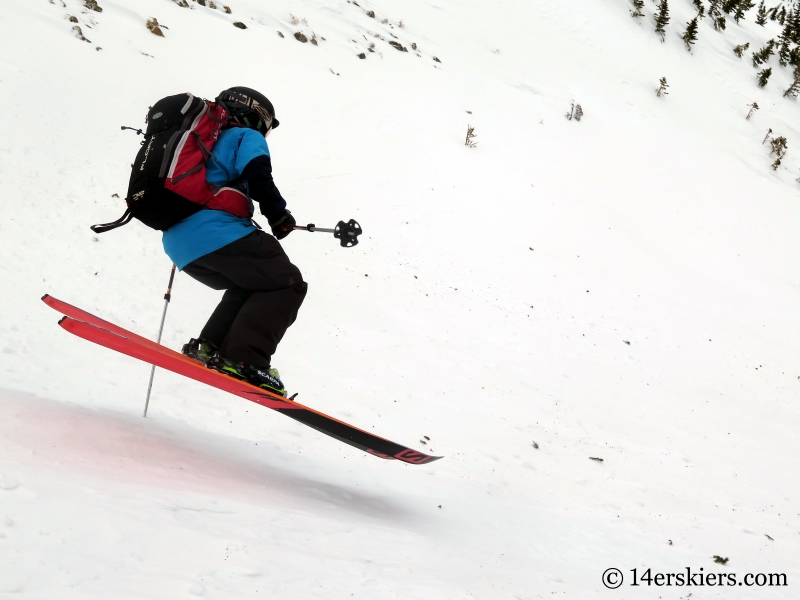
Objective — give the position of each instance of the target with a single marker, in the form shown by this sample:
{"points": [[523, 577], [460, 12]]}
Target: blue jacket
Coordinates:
{"points": [[240, 155]]}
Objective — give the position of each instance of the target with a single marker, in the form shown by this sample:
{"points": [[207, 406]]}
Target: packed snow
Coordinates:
{"points": [[623, 287]]}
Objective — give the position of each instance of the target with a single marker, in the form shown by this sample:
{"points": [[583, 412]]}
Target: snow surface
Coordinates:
{"points": [[624, 288]]}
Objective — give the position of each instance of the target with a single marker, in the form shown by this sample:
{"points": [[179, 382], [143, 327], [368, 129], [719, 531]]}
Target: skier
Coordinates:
{"points": [[263, 289]]}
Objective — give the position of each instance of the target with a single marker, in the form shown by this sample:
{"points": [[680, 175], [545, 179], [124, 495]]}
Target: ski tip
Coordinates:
{"points": [[45, 297], [62, 319]]}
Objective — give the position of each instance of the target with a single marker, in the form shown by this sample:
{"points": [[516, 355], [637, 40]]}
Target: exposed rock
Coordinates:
{"points": [[300, 37], [152, 25], [240, 25], [398, 46]]}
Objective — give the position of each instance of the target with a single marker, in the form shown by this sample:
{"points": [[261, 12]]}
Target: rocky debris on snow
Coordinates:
{"points": [[719, 560], [436, 59], [72, 19], [239, 24], [281, 34], [370, 13], [153, 26], [79, 34], [535, 445], [626, 342], [300, 37], [362, 55], [181, 3], [596, 458], [397, 46], [770, 538], [92, 5]]}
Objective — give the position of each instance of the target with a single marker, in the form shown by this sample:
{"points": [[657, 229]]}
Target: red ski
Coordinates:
{"points": [[99, 331]]}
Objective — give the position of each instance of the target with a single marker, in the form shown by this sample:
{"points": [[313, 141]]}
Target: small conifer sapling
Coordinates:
{"points": [[752, 111], [662, 87], [763, 76], [690, 35], [740, 49], [779, 148], [768, 136], [470, 141]]}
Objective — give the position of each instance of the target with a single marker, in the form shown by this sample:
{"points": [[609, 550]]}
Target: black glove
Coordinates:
{"points": [[283, 226]]}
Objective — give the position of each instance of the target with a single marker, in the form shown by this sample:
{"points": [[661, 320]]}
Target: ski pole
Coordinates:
{"points": [[167, 298], [347, 233]]}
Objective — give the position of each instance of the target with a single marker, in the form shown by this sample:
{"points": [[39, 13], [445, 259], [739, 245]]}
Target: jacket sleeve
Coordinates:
{"points": [[258, 177]]}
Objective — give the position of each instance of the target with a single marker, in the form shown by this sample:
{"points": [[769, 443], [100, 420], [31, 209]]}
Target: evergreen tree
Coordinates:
{"points": [[729, 5], [794, 89], [638, 5], [662, 19], [794, 56], [793, 21], [715, 12], [782, 15], [761, 16], [742, 6], [763, 76], [762, 56], [784, 46], [701, 9], [690, 35], [740, 49], [662, 87]]}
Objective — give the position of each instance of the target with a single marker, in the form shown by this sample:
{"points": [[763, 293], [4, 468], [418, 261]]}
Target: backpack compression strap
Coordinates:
{"points": [[123, 220]]}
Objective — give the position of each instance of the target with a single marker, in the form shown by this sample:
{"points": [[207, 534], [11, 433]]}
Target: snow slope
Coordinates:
{"points": [[623, 287]]}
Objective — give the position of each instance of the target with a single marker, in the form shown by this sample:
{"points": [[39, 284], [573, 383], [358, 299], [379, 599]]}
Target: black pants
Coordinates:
{"points": [[263, 292]]}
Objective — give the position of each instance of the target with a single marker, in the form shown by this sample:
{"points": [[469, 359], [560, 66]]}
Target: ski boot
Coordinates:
{"points": [[199, 350], [267, 379]]}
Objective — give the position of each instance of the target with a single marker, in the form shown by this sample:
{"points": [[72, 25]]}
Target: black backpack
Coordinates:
{"points": [[168, 177]]}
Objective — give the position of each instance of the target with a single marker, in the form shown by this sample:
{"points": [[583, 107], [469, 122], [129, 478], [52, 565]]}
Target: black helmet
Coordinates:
{"points": [[250, 108]]}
